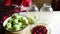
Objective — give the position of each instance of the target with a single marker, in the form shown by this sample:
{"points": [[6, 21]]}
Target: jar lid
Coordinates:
{"points": [[47, 5]]}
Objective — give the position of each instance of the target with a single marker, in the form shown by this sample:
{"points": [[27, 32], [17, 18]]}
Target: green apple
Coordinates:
{"points": [[20, 24], [8, 25], [23, 26], [25, 20], [31, 20], [16, 27], [15, 21]]}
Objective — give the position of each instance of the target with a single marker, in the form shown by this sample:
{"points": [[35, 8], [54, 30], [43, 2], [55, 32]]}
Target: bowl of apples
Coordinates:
{"points": [[15, 24]]}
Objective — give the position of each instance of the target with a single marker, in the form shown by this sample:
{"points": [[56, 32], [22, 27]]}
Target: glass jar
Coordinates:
{"points": [[32, 8], [46, 7]]}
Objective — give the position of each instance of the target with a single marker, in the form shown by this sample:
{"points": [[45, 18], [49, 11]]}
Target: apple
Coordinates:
{"points": [[8, 25], [16, 27]]}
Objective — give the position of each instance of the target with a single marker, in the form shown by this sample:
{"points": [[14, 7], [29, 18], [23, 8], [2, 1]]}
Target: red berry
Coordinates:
{"points": [[39, 30]]}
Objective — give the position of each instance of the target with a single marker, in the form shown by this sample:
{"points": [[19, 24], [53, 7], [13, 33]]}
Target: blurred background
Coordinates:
{"points": [[55, 4], [39, 3]]}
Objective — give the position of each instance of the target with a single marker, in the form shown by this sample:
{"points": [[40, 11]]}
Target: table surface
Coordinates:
{"points": [[51, 19]]}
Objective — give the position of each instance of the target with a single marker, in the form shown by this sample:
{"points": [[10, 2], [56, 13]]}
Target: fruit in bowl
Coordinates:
{"points": [[15, 23], [40, 28]]}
